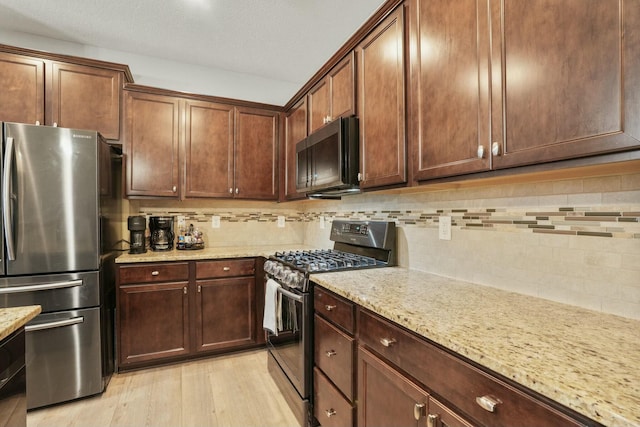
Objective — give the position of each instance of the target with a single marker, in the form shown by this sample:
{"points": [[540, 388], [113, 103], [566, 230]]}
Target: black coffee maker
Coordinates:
{"points": [[161, 228], [137, 226]]}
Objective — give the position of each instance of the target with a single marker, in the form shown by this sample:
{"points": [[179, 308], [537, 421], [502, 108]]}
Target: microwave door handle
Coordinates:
{"points": [[6, 199]]}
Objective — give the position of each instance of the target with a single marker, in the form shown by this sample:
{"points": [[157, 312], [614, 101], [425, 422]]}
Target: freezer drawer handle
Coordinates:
{"points": [[42, 287], [56, 324], [6, 199]]}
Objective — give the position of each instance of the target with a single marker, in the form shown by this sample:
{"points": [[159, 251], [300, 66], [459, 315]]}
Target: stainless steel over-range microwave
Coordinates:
{"points": [[328, 160]]}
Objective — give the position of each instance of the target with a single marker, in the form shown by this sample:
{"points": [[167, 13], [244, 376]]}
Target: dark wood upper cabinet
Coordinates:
{"points": [[22, 82], [61, 90], [448, 99], [334, 95], [256, 154], [521, 83], [82, 97], [564, 79], [381, 103], [295, 130], [151, 145], [209, 130]]}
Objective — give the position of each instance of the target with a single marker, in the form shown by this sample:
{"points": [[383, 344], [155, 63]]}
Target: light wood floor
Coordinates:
{"points": [[231, 390]]}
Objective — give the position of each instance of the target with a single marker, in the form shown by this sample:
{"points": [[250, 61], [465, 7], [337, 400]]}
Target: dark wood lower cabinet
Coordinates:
{"points": [[404, 379], [154, 322], [224, 313], [175, 310], [386, 397]]}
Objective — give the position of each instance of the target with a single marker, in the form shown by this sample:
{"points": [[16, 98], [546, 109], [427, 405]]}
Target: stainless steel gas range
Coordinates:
{"points": [[357, 244]]}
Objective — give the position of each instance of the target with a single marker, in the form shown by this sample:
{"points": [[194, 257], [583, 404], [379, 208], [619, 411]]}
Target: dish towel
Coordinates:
{"points": [[272, 308]]}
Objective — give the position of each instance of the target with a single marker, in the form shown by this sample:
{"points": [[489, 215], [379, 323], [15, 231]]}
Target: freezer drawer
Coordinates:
{"points": [[63, 352], [52, 292]]}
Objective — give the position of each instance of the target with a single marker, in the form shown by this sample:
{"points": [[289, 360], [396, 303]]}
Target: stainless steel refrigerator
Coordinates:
{"points": [[59, 230]]}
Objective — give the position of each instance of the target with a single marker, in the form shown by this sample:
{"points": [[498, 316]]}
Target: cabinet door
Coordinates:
{"points": [[295, 131], [381, 103], [386, 397], [208, 149], [22, 82], [83, 97], [153, 322], [342, 79], [449, 103], [565, 79], [151, 145], [256, 154], [225, 315], [319, 105]]}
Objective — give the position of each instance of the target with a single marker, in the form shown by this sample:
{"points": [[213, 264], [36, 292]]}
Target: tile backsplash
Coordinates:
{"points": [[575, 241]]}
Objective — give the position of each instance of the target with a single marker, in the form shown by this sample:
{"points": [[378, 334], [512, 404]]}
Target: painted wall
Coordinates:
{"points": [[165, 74]]}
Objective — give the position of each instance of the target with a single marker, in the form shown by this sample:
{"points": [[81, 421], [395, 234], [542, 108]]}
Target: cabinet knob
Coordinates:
{"points": [[184, 290], [360, 177], [419, 411], [330, 412], [174, 189], [237, 190], [329, 307], [37, 122], [330, 353], [226, 268], [199, 289], [488, 402], [495, 148], [155, 272], [432, 420], [231, 191], [387, 342], [480, 151]]}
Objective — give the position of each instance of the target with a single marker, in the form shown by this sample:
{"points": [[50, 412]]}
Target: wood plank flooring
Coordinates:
{"points": [[230, 390]]}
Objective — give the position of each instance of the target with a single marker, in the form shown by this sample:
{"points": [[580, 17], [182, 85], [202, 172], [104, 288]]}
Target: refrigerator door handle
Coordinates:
{"points": [[42, 287], [56, 324], [6, 199]]}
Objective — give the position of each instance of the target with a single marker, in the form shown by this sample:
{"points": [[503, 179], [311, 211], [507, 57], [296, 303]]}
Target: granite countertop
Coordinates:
{"points": [[586, 360], [208, 253], [11, 319]]}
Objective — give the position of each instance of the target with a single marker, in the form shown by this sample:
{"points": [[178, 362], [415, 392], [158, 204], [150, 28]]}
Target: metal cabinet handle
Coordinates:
{"points": [[199, 288], [419, 411], [329, 307], [231, 191], [174, 188], [237, 190], [432, 420], [184, 290], [387, 342], [495, 148], [480, 151], [330, 412], [226, 268], [488, 402], [155, 272], [330, 353]]}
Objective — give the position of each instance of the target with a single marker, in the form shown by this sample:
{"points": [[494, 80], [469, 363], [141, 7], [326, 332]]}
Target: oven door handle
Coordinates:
{"points": [[290, 294]]}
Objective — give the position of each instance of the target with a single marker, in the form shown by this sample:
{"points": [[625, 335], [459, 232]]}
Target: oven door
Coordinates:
{"points": [[292, 346]]}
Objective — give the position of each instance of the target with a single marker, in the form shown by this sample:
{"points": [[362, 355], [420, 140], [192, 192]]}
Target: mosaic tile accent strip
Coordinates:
{"points": [[576, 221]]}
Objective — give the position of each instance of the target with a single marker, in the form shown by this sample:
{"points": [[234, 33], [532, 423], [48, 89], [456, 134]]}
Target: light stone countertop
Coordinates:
{"points": [[208, 253], [586, 360], [11, 319]]}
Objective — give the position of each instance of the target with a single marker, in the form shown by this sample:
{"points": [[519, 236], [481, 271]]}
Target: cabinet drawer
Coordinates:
{"points": [[225, 268], [150, 273], [334, 352], [331, 409], [335, 308], [457, 381]]}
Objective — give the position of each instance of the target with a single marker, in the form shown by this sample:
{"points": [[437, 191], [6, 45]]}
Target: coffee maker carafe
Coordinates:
{"points": [[161, 228]]}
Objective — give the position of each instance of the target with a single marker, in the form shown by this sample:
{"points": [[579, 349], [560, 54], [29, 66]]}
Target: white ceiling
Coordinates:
{"points": [[281, 40]]}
